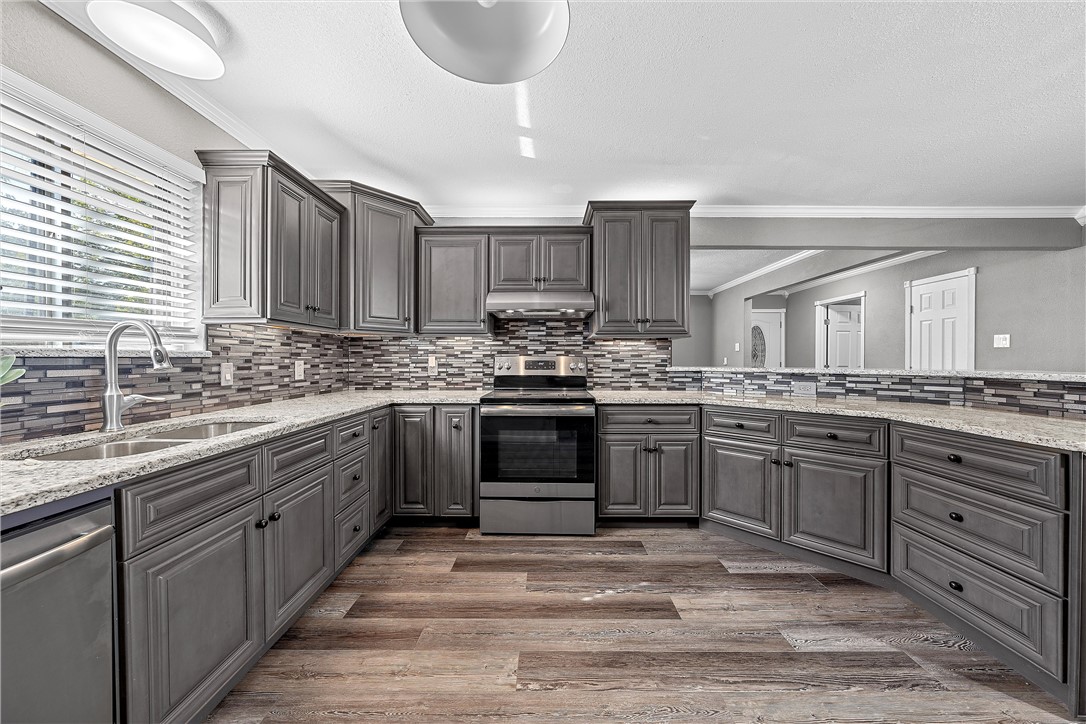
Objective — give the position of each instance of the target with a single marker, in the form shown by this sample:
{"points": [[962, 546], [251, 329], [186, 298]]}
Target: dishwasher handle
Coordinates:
{"points": [[54, 557]]}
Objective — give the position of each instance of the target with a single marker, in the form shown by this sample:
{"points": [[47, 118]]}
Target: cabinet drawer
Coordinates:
{"points": [[283, 459], [836, 433], [165, 506], [1025, 619], [741, 424], [350, 478], [1022, 539], [352, 529], [648, 419], [996, 465], [351, 434]]}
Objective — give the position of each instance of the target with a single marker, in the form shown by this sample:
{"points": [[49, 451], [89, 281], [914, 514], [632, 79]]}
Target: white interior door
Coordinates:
{"points": [[767, 338], [940, 329], [844, 340]]}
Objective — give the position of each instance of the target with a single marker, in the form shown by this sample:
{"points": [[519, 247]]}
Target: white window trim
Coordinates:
{"points": [[32, 93]]}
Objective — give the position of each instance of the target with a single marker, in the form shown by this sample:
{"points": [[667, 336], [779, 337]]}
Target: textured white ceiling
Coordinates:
{"points": [[709, 268], [759, 103]]}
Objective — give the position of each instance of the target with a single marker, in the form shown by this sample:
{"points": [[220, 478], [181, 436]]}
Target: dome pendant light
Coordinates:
{"points": [[488, 41], [160, 33]]}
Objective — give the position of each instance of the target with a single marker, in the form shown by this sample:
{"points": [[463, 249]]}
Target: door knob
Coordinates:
{"points": [[357, 476], [275, 516], [739, 425], [955, 586], [957, 517], [262, 523], [789, 464], [774, 461], [357, 528], [954, 458]]}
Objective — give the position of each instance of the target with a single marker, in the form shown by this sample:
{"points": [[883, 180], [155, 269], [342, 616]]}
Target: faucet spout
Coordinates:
{"points": [[113, 401]]}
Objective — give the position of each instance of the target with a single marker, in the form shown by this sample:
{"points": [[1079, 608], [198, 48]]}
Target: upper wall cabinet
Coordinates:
{"points": [[271, 243], [379, 259], [452, 283], [538, 260], [641, 268]]}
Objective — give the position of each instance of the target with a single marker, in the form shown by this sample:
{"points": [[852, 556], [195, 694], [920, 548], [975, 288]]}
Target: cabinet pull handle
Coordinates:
{"points": [[456, 426], [275, 516], [645, 449], [357, 528], [356, 433], [739, 425], [357, 476], [774, 461], [308, 307], [262, 523], [789, 464], [954, 458], [955, 586], [831, 435], [658, 450], [650, 421], [316, 309], [376, 425], [957, 517]]}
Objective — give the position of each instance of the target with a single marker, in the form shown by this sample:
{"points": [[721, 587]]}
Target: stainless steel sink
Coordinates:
{"points": [[118, 449], [204, 431]]}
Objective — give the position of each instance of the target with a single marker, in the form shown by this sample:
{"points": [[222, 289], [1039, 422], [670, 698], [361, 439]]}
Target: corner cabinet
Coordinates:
{"points": [[641, 268], [271, 243], [452, 283], [378, 275]]}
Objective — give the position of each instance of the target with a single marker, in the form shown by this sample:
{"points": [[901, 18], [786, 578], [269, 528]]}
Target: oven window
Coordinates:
{"points": [[537, 449]]}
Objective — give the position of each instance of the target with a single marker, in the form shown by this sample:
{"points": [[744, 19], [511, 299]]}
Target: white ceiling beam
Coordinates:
{"points": [[780, 264]]}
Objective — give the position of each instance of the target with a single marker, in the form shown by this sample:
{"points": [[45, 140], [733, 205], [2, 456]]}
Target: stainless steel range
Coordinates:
{"points": [[538, 448]]}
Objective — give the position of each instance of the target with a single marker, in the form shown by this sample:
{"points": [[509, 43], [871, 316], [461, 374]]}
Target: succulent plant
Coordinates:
{"points": [[7, 372]]}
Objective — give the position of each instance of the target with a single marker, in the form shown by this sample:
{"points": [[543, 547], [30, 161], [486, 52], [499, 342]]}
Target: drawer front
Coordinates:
{"points": [[744, 425], [836, 433], [352, 529], [1025, 619], [165, 506], [352, 434], [1016, 537], [285, 458], [996, 465], [350, 479], [628, 418]]}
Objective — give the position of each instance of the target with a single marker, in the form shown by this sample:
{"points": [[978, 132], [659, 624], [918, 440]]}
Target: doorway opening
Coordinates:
{"points": [[940, 321], [767, 338], [839, 331]]}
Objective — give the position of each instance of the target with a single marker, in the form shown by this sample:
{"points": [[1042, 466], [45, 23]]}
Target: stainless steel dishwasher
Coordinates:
{"points": [[56, 619]]}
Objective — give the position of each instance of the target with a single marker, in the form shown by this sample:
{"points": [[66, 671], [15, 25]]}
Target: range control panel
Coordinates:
{"points": [[556, 366]]}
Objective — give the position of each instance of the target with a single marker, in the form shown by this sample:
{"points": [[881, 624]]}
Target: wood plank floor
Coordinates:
{"points": [[655, 624]]}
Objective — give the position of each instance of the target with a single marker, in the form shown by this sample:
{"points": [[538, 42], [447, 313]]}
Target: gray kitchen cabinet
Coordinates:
{"points": [[381, 467], [536, 260], [455, 467], [414, 436], [675, 475], [835, 504], [622, 488], [452, 284], [194, 617], [514, 264], [742, 485], [271, 243], [641, 268], [379, 258], [298, 546], [648, 475]]}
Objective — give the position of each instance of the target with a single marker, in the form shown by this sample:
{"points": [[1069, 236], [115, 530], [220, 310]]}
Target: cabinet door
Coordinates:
{"points": [[414, 488], [324, 295], [665, 272], [563, 262], [234, 243], [835, 504], [381, 467], [452, 284], [298, 546], [289, 259], [616, 270], [675, 476], [514, 263], [384, 276], [454, 460], [622, 475], [194, 616], [742, 485]]}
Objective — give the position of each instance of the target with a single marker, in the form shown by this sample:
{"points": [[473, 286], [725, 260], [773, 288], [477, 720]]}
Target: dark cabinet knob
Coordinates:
{"points": [[789, 464], [645, 449], [954, 458], [376, 426], [650, 421], [955, 586], [831, 435], [275, 516], [262, 523], [308, 307], [774, 461], [957, 517], [356, 433], [357, 476], [316, 309], [658, 450], [456, 426], [739, 425], [357, 528]]}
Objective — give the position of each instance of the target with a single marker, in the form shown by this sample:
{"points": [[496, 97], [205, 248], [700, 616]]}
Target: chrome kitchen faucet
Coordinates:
{"points": [[113, 401]]}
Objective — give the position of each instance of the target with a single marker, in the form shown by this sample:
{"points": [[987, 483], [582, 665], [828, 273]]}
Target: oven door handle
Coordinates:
{"points": [[537, 410]]}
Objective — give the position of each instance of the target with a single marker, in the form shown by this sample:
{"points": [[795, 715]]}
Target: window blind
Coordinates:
{"points": [[91, 231]]}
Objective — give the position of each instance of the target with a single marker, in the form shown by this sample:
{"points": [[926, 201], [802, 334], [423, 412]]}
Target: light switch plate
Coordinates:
{"points": [[226, 374], [431, 365], [1001, 340], [299, 370], [725, 361], [736, 346]]}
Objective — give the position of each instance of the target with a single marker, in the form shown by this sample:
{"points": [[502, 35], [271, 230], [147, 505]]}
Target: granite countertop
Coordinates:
{"points": [[938, 374], [27, 483]]}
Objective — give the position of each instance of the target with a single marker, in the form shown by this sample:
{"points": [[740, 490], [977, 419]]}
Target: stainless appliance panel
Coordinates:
{"points": [[538, 517], [536, 410], [529, 489]]}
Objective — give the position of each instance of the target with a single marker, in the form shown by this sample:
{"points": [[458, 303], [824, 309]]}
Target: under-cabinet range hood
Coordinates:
{"points": [[540, 305]]}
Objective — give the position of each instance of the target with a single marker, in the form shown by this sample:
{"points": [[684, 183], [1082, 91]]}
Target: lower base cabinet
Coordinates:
{"points": [[380, 460], [436, 464], [655, 475], [742, 485]]}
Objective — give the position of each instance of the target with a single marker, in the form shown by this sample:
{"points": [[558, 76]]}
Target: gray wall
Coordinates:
{"points": [[697, 349], [38, 44], [1038, 297]]}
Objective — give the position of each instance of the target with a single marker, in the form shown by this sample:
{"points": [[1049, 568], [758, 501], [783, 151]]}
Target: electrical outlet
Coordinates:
{"points": [[1001, 340], [725, 361], [299, 370], [804, 388], [226, 374], [736, 346], [431, 365]]}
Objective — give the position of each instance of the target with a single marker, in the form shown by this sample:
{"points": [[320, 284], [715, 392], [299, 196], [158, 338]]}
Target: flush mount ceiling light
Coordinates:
{"points": [[488, 41], [161, 33]]}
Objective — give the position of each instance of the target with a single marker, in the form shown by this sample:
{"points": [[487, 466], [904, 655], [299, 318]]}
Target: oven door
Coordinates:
{"points": [[538, 451]]}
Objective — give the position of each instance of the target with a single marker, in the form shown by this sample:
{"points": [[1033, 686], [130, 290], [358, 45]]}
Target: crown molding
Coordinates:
{"points": [[788, 260], [507, 212], [886, 212], [857, 271], [76, 14]]}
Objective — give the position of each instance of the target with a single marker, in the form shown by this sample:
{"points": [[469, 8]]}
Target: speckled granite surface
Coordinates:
{"points": [[963, 374], [25, 483]]}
